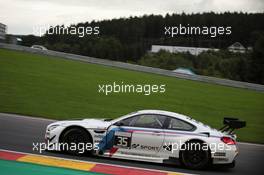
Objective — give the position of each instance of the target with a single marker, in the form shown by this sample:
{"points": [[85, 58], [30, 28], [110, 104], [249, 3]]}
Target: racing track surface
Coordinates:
{"points": [[18, 133]]}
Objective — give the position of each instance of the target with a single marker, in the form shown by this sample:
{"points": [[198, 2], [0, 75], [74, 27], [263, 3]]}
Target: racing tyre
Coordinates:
{"points": [[78, 137], [193, 156]]}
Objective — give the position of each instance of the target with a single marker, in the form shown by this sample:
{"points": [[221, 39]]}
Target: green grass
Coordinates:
{"points": [[48, 87]]}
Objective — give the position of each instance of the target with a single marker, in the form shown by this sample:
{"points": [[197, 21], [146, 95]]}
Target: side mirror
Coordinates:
{"points": [[119, 124]]}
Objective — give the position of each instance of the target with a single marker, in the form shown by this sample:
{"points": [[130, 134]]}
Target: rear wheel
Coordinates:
{"points": [[193, 156], [76, 140]]}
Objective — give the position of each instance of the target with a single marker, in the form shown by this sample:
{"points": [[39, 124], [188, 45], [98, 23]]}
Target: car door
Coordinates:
{"points": [[147, 134], [139, 135]]}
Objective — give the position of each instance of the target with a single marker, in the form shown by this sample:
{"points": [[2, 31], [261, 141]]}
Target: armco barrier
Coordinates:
{"points": [[213, 80]]}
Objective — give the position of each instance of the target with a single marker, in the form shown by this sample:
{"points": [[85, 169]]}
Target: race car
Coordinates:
{"points": [[148, 135]]}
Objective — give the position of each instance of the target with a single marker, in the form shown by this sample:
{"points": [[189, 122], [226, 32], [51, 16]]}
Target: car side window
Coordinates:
{"points": [[177, 124], [149, 121], [127, 121]]}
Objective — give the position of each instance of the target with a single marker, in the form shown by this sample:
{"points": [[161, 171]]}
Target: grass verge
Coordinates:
{"points": [[56, 88]]}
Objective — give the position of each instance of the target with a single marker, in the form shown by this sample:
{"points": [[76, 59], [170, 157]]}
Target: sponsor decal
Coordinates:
{"points": [[167, 147], [134, 146], [145, 147]]}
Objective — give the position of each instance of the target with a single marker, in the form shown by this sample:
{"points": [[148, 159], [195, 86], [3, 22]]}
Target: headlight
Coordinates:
{"points": [[52, 127]]}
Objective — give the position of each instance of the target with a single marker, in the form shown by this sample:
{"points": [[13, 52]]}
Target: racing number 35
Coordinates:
{"points": [[122, 139]]}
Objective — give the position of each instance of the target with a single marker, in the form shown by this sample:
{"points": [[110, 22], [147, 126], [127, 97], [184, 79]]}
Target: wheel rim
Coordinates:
{"points": [[195, 157], [75, 137]]}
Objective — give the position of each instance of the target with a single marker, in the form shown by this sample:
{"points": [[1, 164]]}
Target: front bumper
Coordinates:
{"points": [[52, 139]]}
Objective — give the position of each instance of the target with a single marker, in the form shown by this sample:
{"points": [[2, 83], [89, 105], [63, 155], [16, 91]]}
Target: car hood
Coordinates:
{"points": [[86, 123]]}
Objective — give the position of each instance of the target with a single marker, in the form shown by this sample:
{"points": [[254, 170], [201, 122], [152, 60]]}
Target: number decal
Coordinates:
{"points": [[122, 141]]}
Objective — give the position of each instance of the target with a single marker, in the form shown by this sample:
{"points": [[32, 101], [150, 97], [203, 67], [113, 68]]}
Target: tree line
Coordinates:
{"points": [[130, 39]]}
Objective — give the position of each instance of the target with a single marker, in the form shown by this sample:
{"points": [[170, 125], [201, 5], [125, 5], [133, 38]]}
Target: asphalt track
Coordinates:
{"points": [[18, 133]]}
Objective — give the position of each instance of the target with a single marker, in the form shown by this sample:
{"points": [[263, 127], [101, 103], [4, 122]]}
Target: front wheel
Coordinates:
{"points": [[194, 156], [74, 141]]}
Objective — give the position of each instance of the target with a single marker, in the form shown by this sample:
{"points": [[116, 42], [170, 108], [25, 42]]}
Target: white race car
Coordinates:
{"points": [[148, 135], [39, 47]]}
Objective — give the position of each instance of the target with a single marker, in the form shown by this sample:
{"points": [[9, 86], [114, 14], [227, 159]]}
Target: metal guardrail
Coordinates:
{"points": [[128, 66]]}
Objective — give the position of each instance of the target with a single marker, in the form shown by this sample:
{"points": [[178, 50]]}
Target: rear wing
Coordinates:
{"points": [[230, 124]]}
